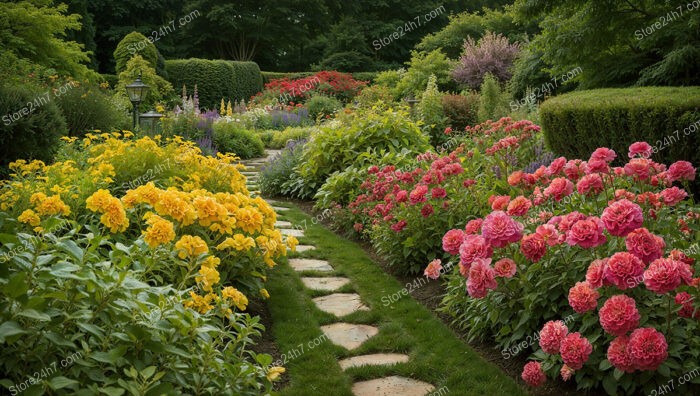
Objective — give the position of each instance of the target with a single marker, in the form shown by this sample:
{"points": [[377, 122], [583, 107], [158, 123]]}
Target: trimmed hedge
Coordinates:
{"points": [[215, 79], [269, 76], [668, 118]]}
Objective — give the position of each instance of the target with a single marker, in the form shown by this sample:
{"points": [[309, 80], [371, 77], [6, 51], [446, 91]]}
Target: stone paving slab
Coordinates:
{"points": [[279, 209], [377, 359], [282, 224], [325, 284], [340, 304], [347, 335], [304, 248], [292, 232], [392, 386], [300, 264]]}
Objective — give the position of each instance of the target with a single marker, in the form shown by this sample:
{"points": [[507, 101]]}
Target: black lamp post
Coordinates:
{"points": [[137, 91]]}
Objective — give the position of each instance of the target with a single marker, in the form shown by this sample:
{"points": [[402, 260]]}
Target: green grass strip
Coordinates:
{"points": [[437, 356]]}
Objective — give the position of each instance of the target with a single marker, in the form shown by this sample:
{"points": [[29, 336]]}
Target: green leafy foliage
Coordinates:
{"points": [[132, 44], [421, 66], [89, 107], [277, 178], [31, 124], [159, 89], [321, 106], [231, 138], [492, 101], [431, 113], [461, 110], [280, 138]]}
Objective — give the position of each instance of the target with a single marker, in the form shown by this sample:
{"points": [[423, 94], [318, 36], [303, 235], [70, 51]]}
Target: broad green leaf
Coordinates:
{"points": [[34, 314], [61, 382], [9, 329], [17, 285]]}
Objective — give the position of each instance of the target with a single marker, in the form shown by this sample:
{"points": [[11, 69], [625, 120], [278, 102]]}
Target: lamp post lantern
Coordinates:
{"points": [[137, 92]]}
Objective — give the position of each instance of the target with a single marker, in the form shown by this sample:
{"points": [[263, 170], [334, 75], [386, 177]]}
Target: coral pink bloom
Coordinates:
{"points": [[533, 374], [499, 202], [597, 166], [566, 372], [556, 166], [505, 268], [645, 245], [685, 300], [586, 233], [533, 247], [515, 178], [433, 269], [574, 169], [566, 222], [647, 348], [474, 226], [418, 194], [402, 196], [681, 170], [588, 184], [642, 149], [427, 210], [559, 188], [551, 336], [583, 298], [619, 315], [474, 247], [639, 168], [595, 273], [482, 278], [575, 350], [624, 270], [604, 154], [519, 206], [499, 229], [438, 192], [549, 233], [672, 196], [665, 275], [682, 257], [622, 217], [452, 241], [618, 354]]}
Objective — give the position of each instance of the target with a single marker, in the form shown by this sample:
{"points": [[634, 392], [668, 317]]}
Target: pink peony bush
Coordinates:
{"points": [[614, 245]]}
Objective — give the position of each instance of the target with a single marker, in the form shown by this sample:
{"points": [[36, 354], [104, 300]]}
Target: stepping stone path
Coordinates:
{"points": [[348, 335]]}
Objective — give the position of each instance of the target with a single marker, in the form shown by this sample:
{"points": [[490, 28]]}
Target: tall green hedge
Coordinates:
{"points": [[269, 76], [215, 79], [668, 118]]}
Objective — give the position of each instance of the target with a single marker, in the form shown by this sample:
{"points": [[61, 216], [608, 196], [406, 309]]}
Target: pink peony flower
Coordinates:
{"points": [[618, 354], [575, 350], [566, 372], [586, 233], [556, 166], [559, 188], [624, 270], [574, 169], [595, 273], [433, 269], [622, 217], [567, 221], [399, 226], [499, 202], [645, 245], [647, 348], [642, 149], [402, 196], [427, 210], [519, 206], [588, 184], [551, 336], [438, 192], [452, 241], [665, 275], [418, 194], [639, 168], [672, 196], [533, 374], [549, 233], [505, 268], [583, 298], [499, 229], [681, 170], [482, 278], [685, 300], [474, 247], [474, 226], [619, 315], [533, 247], [604, 154], [597, 166]]}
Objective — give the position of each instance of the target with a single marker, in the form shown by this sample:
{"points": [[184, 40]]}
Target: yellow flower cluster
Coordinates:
{"points": [[191, 247], [49, 205], [236, 297], [113, 213], [239, 242], [201, 304], [160, 232]]}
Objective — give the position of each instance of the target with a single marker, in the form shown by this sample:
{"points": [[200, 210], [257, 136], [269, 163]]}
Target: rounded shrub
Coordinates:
{"points": [[321, 106], [280, 139], [133, 44], [461, 110], [31, 124], [87, 108], [231, 138]]}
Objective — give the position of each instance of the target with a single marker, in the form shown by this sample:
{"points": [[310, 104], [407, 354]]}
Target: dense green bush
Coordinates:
{"points": [[231, 138], [430, 111], [269, 76], [321, 106], [334, 149], [133, 44], [492, 101], [31, 124], [280, 139], [461, 110], [420, 68], [375, 96], [278, 176], [266, 136], [365, 76], [87, 108], [215, 79], [160, 90], [575, 124], [111, 79]]}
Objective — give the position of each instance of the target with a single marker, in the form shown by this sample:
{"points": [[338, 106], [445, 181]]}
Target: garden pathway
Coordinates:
{"points": [[318, 275]]}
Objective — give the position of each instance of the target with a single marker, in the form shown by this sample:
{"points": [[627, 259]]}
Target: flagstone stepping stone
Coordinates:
{"points": [[377, 359], [391, 386], [325, 284], [347, 335], [292, 232], [300, 264], [279, 209], [271, 201], [282, 224], [304, 248], [340, 304]]}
